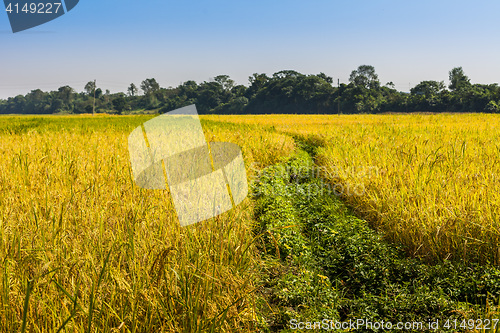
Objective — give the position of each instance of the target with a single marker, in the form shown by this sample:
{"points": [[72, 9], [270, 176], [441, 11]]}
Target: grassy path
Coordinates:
{"points": [[324, 263]]}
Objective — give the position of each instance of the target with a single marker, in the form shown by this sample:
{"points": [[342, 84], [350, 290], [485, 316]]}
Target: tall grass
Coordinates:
{"points": [[430, 182], [83, 249]]}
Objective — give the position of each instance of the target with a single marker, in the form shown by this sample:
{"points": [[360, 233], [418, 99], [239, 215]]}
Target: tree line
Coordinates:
{"points": [[285, 92]]}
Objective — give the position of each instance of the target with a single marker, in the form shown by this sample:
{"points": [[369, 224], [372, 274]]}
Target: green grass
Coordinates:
{"points": [[332, 265]]}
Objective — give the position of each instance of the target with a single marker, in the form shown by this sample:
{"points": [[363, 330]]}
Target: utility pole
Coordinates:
{"points": [[93, 109], [407, 96], [338, 98]]}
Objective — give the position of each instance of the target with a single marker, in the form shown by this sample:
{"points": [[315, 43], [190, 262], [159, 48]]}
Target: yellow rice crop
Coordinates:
{"points": [[89, 251], [430, 182]]}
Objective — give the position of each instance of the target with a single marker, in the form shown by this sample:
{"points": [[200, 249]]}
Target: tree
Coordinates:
{"points": [[365, 76], [120, 104], [132, 90], [65, 93], [188, 89], [209, 96], [89, 88], [286, 91], [239, 91], [257, 82], [458, 80], [98, 93], [427, 88], [258, 79], [150, 86], [224, 80], [288, 73], [35, 95], [325, 77], [492, 107]]}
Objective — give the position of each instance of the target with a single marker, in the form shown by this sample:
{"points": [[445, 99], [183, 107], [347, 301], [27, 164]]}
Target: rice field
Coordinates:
{"points": [[430, 183], [84, 249]]}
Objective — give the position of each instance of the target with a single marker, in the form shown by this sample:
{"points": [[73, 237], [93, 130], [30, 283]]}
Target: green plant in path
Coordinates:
{"points": [[332, 265], [294, 285]]}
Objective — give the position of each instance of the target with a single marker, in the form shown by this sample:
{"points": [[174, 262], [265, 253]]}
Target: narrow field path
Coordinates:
{"points": [[326, 266]]}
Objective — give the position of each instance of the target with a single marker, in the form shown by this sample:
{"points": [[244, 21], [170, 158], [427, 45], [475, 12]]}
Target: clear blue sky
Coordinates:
{"points": [[119, 42]]}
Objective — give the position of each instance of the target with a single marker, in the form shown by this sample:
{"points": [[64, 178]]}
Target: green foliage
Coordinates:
{"points": [[327, 252], [120, 103], [286, 92], [297, 287], [150, 86], [90, 87], [458, 80], [428, 88], [365, 77], [132, 90]]}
